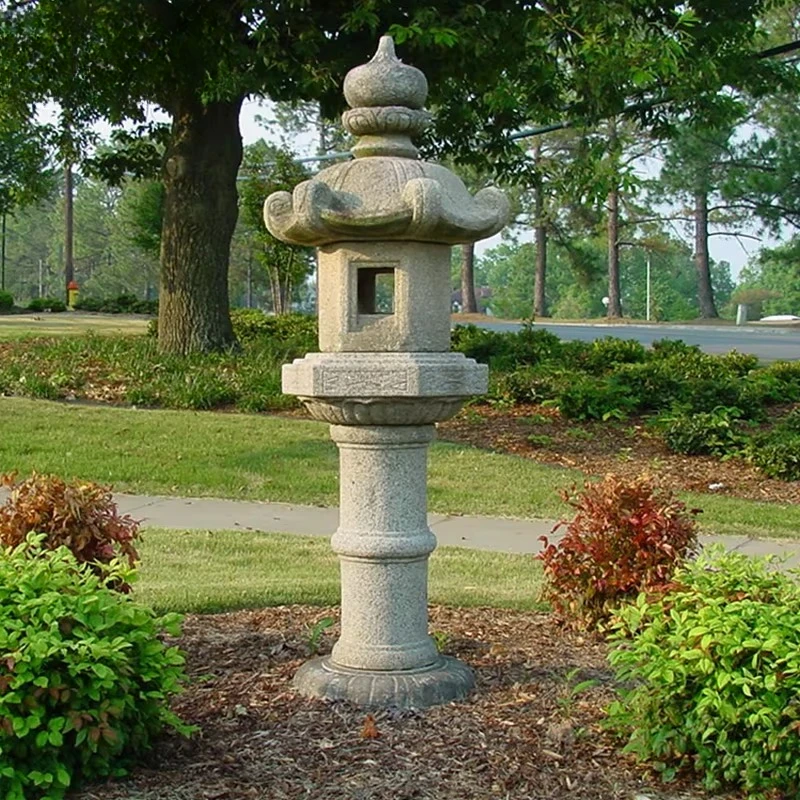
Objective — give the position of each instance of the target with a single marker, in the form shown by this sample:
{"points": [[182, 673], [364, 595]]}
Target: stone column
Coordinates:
{"points": [[384, 375], [385, 655]]}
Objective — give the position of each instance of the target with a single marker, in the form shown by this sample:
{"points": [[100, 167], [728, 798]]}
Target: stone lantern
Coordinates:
{"points": [[384, 224]]}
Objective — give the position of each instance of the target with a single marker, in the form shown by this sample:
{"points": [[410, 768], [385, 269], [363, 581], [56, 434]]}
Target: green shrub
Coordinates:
{"points": [[85, 677], [651, 385], [776, 453], [593, 398], [709, 676], [89, 303], [791, 422], [787, 376], [6, 301], [739, 363], [715, 433], [477, 343], [605, 354], [47, 304], [528, 384], [251, 325], [668, 348], [626, 537]]}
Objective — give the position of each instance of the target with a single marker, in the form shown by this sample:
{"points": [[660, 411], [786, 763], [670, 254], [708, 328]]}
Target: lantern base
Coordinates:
{"points": [[442, 682]]}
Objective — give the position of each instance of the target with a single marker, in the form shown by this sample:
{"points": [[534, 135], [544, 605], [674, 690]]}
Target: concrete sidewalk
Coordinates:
{"points": [[478, 533]]}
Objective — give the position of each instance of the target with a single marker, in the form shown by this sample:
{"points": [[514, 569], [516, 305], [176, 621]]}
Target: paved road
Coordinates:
{"points": [[769, 344]]}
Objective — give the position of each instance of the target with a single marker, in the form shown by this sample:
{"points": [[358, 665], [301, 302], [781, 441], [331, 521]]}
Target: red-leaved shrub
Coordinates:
{"points": [[626, 537], [82, 516]]}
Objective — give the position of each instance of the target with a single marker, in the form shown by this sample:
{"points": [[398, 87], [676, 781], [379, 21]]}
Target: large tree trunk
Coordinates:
{"points": [[705, 291], [69, 230], [200, 211], [614, 301], [469, 304]]}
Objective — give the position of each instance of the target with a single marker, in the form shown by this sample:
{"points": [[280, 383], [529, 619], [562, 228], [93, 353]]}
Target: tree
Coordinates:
{"points": [[198, 61], [24, 174], [777, 271], [270, 169]]}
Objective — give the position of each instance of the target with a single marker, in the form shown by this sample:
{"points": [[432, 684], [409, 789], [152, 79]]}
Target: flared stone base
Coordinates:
{"points": [[446, 680]]}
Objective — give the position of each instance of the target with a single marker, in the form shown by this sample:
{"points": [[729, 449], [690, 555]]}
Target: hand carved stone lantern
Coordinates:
{"points": [[384, 224]]}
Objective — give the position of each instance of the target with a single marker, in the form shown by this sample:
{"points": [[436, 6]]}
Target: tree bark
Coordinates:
{"points": [[69, 230], [200, 211], [540, 235], [614, 301], [469, 304], [705, 290]]}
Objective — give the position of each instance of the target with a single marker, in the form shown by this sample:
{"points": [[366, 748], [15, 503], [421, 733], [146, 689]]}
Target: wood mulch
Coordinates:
{"points": [[526, 733], [627, 448]]}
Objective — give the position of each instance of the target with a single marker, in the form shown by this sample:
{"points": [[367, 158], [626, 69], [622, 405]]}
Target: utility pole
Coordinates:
{"points": [[648, 287]]}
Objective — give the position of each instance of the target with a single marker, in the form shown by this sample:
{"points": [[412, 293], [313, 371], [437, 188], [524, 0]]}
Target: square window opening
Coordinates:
{"points": [[375, 290]]}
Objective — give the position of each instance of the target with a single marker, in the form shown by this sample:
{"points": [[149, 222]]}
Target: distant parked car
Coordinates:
{"points": [[780, 318]]}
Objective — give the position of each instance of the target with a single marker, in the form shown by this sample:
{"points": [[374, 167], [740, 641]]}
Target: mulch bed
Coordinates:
{"points": [[525, 734], [627, 448]]}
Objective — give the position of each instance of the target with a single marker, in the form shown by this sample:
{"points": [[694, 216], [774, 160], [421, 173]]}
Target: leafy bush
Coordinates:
{"points": [[477, 343], [739, 363], [787, 376], [121, 304], [250, 324], [668, 348], [587, 398], [710, 676], [651, 385], [47, 304], [528, 384], [6, 301], [716, 433], [607, 353], [776, 453], [84, 677], [80, 516], [626, 537], [791, 422]]}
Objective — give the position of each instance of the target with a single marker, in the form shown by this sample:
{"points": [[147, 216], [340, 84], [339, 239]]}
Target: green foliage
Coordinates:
{"points": [[714, 433], [129, 369], [121, 304], [6, 301], [47, 304], [777, 452], [86, 679], [607, 353], [595, 398], [251, 325], [709, 676], [626, 537]]}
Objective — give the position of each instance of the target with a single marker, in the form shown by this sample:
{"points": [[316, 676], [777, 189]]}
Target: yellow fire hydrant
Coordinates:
{"points": [[73, 292]]}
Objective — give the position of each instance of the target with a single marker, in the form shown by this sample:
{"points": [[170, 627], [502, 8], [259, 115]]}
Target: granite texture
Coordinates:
{"points": [[383, 375], [384, 224], [383, 543], [421, 316], [443, 682], [385, 193]]}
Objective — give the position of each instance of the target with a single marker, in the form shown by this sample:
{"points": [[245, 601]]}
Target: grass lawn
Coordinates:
{"points": [[279, 459], [18, 326], [208, 572]]}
